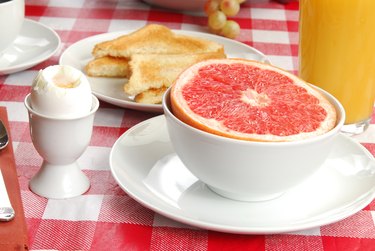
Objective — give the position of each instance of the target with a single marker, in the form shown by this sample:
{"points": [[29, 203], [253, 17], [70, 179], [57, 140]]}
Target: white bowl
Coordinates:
{"points": [[191, 5], [246, 170]]}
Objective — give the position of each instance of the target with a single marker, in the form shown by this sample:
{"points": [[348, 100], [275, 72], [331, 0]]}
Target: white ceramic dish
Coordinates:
{"points": [[35, 44], [12, 16], [60, 176], [111, 89], [144, 164], [245, 169]]}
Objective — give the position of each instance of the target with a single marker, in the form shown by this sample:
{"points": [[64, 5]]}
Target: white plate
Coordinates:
{"points": [[111, 89], [144, 164], [35, 44]]}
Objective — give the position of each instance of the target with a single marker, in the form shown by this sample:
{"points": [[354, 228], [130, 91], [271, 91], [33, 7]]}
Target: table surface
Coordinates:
{"points": [[106, 218]]}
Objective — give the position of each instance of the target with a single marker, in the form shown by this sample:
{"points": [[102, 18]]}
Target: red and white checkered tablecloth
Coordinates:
{"points": [[106, 218]]}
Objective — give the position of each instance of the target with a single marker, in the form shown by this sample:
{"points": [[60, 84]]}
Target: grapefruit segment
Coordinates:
{"points": [[248, 100]]}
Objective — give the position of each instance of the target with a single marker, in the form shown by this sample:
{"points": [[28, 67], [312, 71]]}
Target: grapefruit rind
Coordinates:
{"points": [[181, 108]]}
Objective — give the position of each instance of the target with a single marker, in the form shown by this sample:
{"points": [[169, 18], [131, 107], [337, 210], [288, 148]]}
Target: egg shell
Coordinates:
{"points": [[50, 99]]}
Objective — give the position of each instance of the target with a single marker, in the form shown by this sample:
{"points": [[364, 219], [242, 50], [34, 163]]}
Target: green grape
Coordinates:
{"points": [[230, 7], [217, 20], [216, 32], [231, 29], [211, 6], [217, 12]]}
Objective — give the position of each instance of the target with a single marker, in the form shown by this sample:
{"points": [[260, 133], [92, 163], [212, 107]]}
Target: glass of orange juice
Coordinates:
{"points": [[337, 53]]}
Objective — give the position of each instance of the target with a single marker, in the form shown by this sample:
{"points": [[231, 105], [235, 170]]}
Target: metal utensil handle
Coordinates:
{"points": [[6, 210], [4, 139]]}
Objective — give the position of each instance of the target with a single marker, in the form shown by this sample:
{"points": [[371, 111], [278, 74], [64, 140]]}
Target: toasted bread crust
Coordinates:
{"points": [[151, 96], [154, 39], [150, 58], [108, 67], [157, 71]]}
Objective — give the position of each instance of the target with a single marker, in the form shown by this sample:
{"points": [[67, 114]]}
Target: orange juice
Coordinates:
{"points": [[337, 52]]}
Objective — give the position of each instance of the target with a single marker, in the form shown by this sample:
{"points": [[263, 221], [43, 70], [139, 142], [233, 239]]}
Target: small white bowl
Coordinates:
{"points": [[246, 170]]}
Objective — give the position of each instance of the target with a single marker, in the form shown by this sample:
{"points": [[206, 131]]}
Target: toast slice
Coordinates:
{"points": [[151, 96], [156, 71], [108, 67], [154, 39]]}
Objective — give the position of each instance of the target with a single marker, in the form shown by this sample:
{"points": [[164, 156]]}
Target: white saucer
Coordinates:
{"points": [[144, 164], [35, 44], [111, 89]]}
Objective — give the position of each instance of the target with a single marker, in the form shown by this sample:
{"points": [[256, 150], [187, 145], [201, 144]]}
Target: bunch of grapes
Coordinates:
{"points": [[218, 11]]}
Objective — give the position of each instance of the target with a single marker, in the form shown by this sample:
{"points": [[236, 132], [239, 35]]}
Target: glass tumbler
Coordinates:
{"points": [[337, 53]]}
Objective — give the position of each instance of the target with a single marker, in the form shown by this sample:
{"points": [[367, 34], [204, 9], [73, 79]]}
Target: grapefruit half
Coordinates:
{"points": [[249, 100]]}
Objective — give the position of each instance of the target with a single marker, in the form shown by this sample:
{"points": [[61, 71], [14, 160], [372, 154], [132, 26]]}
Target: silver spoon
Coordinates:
{"points": [[3, 136], [6, 210]]}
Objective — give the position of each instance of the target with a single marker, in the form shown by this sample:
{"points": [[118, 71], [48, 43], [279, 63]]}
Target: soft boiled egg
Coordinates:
{"points": [[61, 91]]}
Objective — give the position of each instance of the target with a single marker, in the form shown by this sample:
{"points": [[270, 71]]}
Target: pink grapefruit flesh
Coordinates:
{"points": [[248, 100]]}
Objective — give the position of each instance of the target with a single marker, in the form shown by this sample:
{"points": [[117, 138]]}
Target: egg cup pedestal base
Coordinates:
{"points": [[59, 181]]}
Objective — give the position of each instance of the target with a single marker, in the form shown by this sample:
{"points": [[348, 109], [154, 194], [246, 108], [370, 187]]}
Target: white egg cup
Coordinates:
{"points": [[60, 142]]}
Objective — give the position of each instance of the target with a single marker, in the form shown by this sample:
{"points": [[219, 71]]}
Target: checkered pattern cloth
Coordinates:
{"points": [[106, 218]]}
